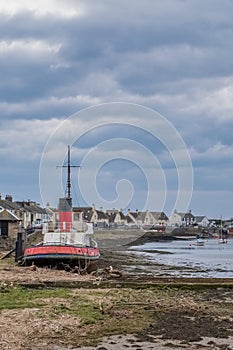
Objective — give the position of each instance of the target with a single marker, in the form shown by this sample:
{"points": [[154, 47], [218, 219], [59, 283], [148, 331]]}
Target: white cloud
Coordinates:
{"points": [[30, 49], [41, 7], [214, 156], [218, 103], [23, 140], [41, 105]]}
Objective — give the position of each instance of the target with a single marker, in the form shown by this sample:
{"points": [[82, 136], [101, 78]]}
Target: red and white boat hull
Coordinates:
{"points": [[55, 255]]}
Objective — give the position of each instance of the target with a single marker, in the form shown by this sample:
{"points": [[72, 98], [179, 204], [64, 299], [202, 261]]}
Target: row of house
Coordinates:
{"points": [[29, 213], [16, 214], [116, 218]]}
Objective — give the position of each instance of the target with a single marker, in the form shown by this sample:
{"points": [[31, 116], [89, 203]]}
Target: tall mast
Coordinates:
{"points": [[68, 175], [68, 166]]}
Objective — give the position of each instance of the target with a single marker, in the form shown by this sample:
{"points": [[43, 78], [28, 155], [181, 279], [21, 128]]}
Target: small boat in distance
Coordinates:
{"points": [[199, 242], [70, 244]]}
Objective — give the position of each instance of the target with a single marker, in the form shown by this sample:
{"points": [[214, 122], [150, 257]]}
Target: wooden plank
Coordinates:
{"points": [[8, 254]]}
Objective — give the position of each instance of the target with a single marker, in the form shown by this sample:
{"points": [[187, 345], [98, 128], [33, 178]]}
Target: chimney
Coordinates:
{"points": [[101, 208], [128, 211], [9, 198]]}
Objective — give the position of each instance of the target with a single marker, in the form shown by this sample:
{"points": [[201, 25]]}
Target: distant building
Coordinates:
{"points": [[10, 217], [90, 214], [8, 204], [117, 218], [132, 218], [32, 213], [152, 218], [202, 221], [52, 217], [182, 219], [160, 218], [9, 223]]}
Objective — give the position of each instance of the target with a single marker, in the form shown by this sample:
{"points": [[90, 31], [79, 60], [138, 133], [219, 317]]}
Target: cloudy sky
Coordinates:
{"points": [[60, 57]]}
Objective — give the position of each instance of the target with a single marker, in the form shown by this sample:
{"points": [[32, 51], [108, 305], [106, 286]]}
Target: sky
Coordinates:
{"points": [[141, 90]]}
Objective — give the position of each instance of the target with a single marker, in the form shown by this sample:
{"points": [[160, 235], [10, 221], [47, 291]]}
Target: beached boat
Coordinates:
{"points": [[71, 244], [65, 246], [199, 242]]}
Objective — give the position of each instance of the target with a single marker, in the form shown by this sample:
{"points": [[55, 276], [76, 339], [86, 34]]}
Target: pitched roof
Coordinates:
{"points": [[6, 215], [135, 214], [32, 207], [111, 211], [199, 218], [122, 215], [87, 213], [142, 216], [159, 215], [129, 219], [4, 203], [186, 215], [101, 214], [50, 210], [112, 217]]}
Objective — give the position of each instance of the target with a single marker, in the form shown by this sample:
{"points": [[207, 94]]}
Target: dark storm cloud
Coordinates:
{"points": [[174, 56], [143, 47]]}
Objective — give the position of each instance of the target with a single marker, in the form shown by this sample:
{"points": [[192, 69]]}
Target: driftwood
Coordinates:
{"points": [[111, 272], [8, 254], [30, 268]]}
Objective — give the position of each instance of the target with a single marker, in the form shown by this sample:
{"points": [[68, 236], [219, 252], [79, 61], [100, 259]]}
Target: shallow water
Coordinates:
{"points": [[214, 259]]}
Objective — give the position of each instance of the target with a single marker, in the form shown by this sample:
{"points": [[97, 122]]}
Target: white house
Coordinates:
{"points": [[202, 221], [149, 218], [181, 219], [117, 218]]}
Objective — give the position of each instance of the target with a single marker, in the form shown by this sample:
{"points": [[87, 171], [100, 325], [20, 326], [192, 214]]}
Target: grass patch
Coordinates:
{"points": [[88, 313], [7, 262], [85, 310], [81, 316], [20, 298]]}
